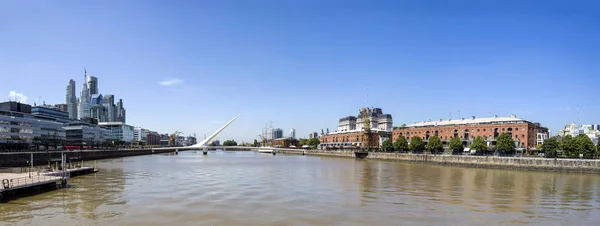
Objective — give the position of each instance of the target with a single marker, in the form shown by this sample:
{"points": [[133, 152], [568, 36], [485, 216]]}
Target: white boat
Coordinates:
{"points": [[265, 150]]}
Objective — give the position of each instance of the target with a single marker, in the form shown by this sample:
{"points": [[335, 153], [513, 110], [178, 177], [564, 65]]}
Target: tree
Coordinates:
{"points": [[434, 144], [479, 144], [598, 148], [303, 142], [314, 142], [550, 146], [214, 143], [401, 144], [416, 145], [567, 145], [538, 147], [229, 143], [255, 144], [387, 145], [585, 146], [456, 145], [505, 144]]}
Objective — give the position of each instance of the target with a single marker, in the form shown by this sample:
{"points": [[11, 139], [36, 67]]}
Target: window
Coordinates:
{"points": [[477, 130], [483, 130], [523, 136]]}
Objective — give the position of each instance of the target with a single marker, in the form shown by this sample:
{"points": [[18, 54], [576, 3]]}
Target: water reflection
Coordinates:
{"points": [[246, 188]]}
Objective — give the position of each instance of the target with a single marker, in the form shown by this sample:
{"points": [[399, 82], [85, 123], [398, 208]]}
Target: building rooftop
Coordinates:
{"points": [[355, 131], [111, 124], [472, 120]]}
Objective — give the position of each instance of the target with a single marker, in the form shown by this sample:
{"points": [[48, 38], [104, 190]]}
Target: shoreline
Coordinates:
{"points": [[490, 162], [22, 159]]}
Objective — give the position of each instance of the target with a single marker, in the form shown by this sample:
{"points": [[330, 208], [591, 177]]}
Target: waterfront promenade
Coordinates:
{"points": [[517, 163]]}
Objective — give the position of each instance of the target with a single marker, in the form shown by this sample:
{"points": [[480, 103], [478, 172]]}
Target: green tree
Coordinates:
{"points": [[538, 147], [567, 145], [585, 146], [214, 143], [550, 146], [230, 143], [314, 142], [456, 145], [255, 144], [387, 145], [598, 149], [479, 145], [401, 144], [434, 144], [416, 145], [505, 144], [302, 142]]}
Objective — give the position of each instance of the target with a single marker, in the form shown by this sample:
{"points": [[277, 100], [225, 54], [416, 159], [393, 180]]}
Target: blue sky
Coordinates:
{"points": [[305, 64]]}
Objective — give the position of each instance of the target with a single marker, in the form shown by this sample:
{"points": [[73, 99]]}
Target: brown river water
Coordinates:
{"points": [[248, 188]]}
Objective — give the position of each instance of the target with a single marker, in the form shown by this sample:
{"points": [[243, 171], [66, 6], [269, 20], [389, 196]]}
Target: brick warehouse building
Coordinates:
{"points": [[524, 133], [350, 129]]}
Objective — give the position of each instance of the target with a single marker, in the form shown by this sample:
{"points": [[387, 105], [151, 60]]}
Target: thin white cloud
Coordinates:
{"points": [[170, 82], [16, 96]]}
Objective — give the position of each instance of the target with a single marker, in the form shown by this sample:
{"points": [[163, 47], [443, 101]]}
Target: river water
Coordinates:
{"points": [[248, 188]]}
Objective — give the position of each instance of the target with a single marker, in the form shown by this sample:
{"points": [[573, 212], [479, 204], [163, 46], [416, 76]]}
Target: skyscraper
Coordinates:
{"points": [[71, 100], [84, 103], [92, 84], [277, 133], [109, 102], [293, 133], [121, 116]]}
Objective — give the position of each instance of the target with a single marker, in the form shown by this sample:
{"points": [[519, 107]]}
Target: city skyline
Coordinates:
{"points": [[410, 59]]}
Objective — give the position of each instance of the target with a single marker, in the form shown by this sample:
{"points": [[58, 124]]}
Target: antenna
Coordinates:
{"points": [[578, 114], [367, 104]]}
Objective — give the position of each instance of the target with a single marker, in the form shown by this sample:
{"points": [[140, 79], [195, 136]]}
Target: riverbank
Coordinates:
{"points": [[22, 159], [520, 163]]}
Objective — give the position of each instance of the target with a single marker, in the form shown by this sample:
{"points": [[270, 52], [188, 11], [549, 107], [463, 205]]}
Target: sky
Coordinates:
{"points": [[192, 66]]}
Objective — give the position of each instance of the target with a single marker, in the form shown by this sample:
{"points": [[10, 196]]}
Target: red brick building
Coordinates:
{"points": [[285, 143], [347, 140], [523, 132]]}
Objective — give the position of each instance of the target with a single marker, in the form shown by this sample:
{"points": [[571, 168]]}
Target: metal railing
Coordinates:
{"points": [[10, 183]]}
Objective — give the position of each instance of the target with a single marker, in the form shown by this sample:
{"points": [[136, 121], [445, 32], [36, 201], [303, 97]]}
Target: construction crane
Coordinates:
{"points": [[173, 137]]}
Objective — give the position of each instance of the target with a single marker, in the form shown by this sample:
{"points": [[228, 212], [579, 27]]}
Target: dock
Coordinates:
{"points": [[19, 184], [12, 184], [72, 172]]}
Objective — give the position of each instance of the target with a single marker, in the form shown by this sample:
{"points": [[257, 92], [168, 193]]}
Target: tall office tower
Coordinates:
{"points": [[84, 103], [277, 133], [71, 100], [121, 116], [109, 102], [92, 84], [293, 133]]}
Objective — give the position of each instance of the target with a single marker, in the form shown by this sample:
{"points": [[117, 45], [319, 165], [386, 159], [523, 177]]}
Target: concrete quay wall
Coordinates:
{"points": [[520, 163], [21, 159]]}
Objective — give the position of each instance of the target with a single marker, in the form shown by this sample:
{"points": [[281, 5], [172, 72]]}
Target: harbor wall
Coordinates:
{"points": [[41, 158], [520, 163]]}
